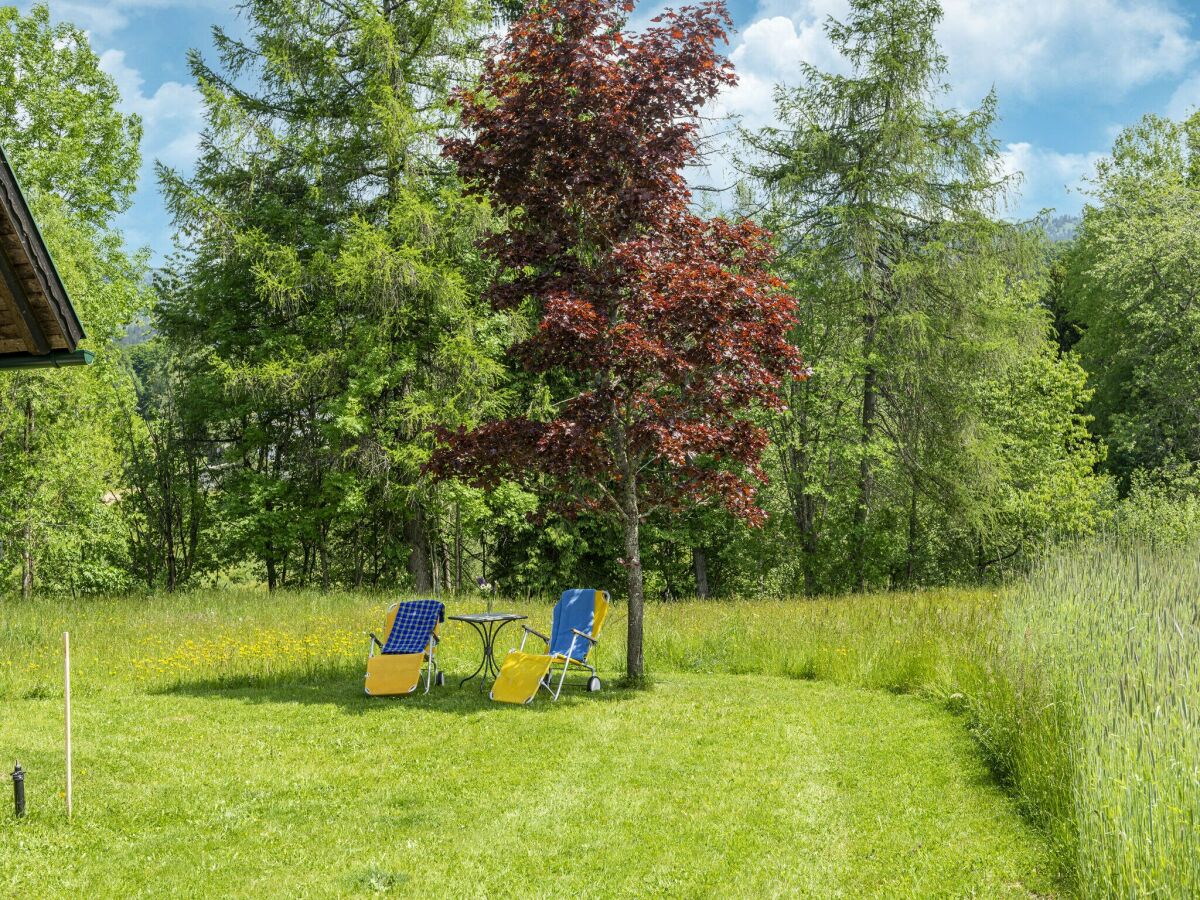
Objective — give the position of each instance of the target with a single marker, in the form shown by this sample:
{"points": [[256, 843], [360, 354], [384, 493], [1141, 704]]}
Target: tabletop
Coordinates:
{"points": [[488, 617]]}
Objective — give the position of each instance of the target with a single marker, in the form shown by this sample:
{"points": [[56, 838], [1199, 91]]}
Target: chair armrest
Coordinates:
{"points": [[586, 637], [378, 643], [536, 633]]}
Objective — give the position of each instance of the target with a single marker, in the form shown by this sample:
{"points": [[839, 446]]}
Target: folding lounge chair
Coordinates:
{"points": [[412, 641], [578, 618]]}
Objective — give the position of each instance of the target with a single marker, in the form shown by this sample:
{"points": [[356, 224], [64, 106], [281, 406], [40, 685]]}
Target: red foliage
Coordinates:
{"points": [[669, 326]]}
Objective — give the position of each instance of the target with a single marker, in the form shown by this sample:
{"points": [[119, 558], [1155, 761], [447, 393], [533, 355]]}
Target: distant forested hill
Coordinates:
{"points": [[1062, 228]]}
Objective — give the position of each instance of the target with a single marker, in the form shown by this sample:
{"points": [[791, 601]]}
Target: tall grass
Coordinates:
{"points": [[247, 637], [898, 642], [1090, 704]]}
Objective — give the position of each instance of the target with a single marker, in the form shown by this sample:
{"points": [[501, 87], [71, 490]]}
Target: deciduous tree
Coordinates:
{"points": [[77, 157], [656, 330], [1133, 285]]}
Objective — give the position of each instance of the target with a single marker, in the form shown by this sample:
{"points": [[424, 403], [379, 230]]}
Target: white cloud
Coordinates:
{"points": [[95, 18], [172, 119], [768, 52], [1038, 47], [777, 46], [1186, 99], [1030, 47], [102, 18], [172, 116], [1046, 177]]}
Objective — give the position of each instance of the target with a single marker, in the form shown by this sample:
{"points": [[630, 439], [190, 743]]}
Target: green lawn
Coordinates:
{"points": [[288, 781]]}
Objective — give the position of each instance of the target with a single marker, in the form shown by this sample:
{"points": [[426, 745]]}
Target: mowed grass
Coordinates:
{"points": [[249, 762]]}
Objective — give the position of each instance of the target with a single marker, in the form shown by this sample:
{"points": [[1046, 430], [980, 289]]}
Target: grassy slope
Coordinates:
{"points": [[284, 779]]}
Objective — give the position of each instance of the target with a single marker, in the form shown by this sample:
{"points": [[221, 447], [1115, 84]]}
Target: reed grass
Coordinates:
{"points": [[1089, 704]]}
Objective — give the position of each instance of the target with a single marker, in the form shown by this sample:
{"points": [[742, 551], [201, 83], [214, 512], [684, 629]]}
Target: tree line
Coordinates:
{"points": [[370, 362]]}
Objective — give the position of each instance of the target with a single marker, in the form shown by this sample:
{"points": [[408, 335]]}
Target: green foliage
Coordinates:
{"points": [[1132, 282], [323, 318], [323, 315], [172, 528], [58, 465], [60, 462], [59, 123], [1162, 508], [939, 437]]}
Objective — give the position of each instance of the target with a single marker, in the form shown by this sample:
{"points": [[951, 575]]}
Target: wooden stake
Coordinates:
{"points": [[67, 696]]}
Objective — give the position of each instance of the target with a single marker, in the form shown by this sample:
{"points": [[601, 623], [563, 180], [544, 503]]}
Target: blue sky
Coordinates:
{"points": [[1069, 74]]}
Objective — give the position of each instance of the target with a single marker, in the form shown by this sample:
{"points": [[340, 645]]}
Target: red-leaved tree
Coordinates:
{"points": [[664, 328]]}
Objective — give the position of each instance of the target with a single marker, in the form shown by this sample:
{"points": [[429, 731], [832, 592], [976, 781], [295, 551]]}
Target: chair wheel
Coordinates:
{"points": [[440, 681], [593, 684]]}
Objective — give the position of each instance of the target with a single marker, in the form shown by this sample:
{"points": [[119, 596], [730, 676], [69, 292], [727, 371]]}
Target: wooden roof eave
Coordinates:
{"points": [[37, 318]]}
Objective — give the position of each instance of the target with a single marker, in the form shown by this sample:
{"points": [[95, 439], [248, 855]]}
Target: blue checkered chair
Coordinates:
{"points": [[411, 646]]}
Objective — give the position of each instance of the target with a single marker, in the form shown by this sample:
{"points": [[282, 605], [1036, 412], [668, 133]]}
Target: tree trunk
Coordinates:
{"points": [[914, 525], [195, 513], [795, 463], [272, 574], [700, 566], [276, 566], [866, 473], [359, 557], [458, 549], [27, 561], [809, 543], [447, 576], [635, 662], [164, 456], [324, 556], [418, 559]]}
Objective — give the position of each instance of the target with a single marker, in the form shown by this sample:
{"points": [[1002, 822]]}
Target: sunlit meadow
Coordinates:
{"points": [[1081, 685]]}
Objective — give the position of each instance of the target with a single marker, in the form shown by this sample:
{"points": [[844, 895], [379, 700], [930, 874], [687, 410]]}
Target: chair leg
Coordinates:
{"points": [[430, 668], [562, 680], [566, 666]]}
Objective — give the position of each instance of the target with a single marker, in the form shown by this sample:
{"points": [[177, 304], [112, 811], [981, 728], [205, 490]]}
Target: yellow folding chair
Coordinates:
{"points": [[578, 617], [410, 647]]}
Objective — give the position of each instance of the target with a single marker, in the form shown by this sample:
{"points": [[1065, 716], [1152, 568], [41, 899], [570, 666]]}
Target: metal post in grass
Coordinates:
{"points": [[18, 780], [67, 698]]}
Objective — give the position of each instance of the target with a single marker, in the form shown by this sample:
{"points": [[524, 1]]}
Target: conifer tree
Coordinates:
{"points": [[324, 306], [920, 318]]}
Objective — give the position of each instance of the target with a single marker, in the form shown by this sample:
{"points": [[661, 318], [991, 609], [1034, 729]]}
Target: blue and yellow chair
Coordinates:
{"points": [[411, 645], [578, 617]]}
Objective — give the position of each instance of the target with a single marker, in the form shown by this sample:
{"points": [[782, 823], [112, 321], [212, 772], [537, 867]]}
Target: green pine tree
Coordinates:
{"points": [[324, 307], [904, 456]]}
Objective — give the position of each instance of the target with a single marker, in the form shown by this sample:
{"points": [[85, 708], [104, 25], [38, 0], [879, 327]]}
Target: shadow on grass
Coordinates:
{"points": [[346, 691]]}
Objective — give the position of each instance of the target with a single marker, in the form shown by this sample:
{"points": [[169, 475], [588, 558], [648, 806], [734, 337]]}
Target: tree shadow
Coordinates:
{"points": [[346, 692]]}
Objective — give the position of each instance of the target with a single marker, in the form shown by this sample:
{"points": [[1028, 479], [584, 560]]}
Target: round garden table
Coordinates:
{"points": [[488, 625]]}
